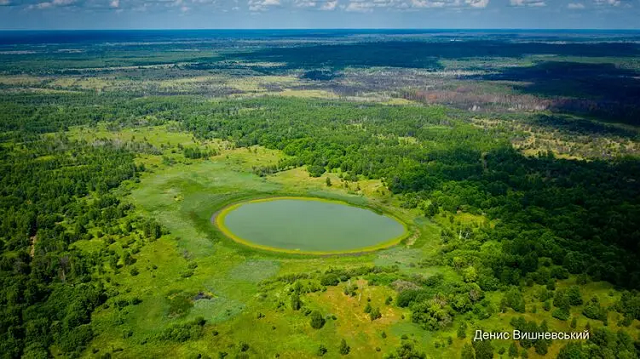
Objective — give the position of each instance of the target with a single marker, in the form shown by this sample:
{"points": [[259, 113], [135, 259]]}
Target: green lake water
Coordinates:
{"points": [[309, 225]]}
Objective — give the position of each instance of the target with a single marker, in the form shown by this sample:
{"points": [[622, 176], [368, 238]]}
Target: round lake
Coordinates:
{"points": [[308, 225]]}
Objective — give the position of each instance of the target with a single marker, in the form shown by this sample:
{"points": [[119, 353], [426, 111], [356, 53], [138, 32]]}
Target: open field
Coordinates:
{"points": [[182, 198]]}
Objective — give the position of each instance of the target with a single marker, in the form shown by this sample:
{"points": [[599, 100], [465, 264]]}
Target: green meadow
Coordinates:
{"points": [[196, 271]]}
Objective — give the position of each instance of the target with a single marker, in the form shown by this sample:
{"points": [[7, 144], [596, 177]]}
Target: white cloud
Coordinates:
{"points": [[329, 5], [575, 6], [608, 2], [427, 4], [4, 2], [528, 3], [477, 3], [359, 6], [369, 5], [40, 6], [258, 6], [261, 5], [436, 4], [50, 4], [304, 3]]}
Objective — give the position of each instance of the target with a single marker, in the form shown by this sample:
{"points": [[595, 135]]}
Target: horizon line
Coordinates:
{"points": [[334, 29]]}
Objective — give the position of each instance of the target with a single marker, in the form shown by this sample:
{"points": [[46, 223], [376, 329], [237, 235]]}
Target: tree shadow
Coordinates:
{"points": [[598, 90], [423, 54], [571, 125]]}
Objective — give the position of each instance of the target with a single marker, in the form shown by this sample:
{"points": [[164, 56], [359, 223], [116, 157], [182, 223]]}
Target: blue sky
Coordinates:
{"points": [[270, 14]]}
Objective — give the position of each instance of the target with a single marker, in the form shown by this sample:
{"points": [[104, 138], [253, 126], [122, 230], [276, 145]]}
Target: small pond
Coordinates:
{"points": [[308, 225]]}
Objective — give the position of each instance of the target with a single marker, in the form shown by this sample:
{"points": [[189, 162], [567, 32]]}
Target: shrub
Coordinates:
{"points": [[316, 171], [296, 303], [350, 289], [344, 349], [322, 350], [515, 300], [483, 349], [541, 347], [561, 314], [329, 279], [405, 298], [317, 321], [513, 350], [462, 330], [574, 296], [367, 308], [375, 314], [184, 332], [561, 300], [593, 310]]}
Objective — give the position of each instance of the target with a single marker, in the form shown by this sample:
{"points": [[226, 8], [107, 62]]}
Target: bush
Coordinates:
{"points": [[561, 314], [462, 330], [515, 300], [574, 296], [375, 314], [350, 289], [344, 349], [322, 350], [483, 349], [296, 303], [561, 300], [406, 350], [316, 171], [317, 321], [541, 347], [367, 308], [593, 310], [329, 279], [405, 298], [184, 332]]}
